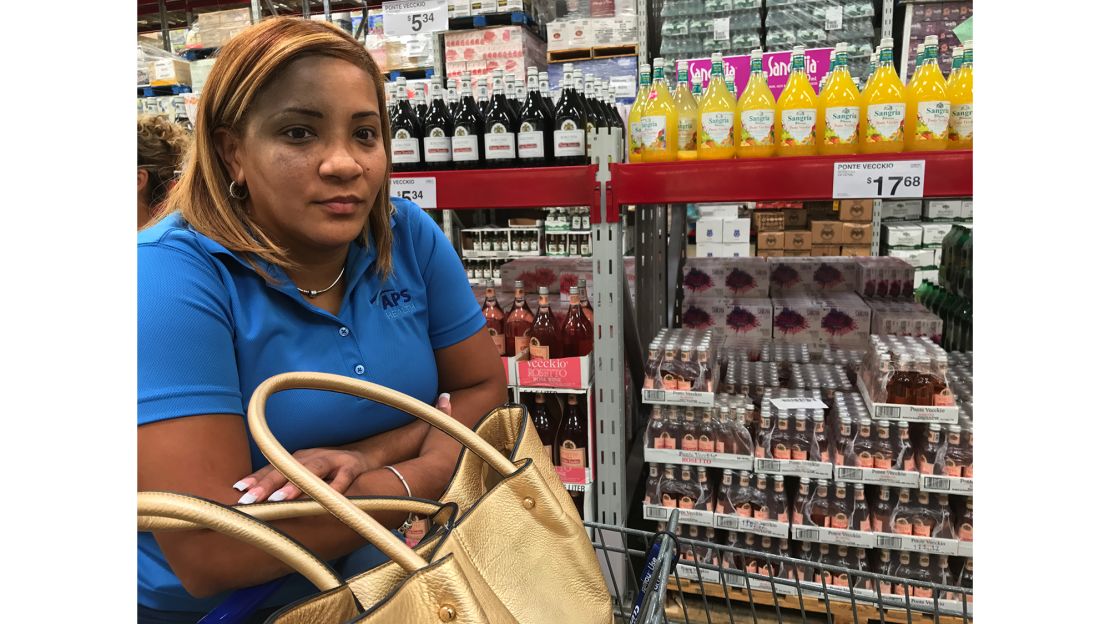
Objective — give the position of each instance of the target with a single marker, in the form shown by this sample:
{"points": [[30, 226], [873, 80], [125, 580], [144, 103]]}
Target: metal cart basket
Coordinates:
{"points": [[657, 578]]}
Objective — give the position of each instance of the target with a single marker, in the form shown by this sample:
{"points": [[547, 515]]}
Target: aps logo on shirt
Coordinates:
{"points": [[396, 303]]}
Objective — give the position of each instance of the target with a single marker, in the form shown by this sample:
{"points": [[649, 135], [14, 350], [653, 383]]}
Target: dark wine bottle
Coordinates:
{"points": [[545, 91], [452, 97], [482, 89], [501, 127], [570, 125], [534, 134], [407, 133], [469, 128], [438, 129]]}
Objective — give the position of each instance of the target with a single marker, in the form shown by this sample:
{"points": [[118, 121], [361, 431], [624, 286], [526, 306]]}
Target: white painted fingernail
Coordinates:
{"points": [[444, 397], [247, 499], [240, 485], [277, 496]]}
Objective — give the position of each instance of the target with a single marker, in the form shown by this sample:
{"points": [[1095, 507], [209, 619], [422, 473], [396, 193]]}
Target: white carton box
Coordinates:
{"points": [[558, 35], [709, 230], [902, 235], [458, 8], [737, 231], [736, 250], [917, 258], [934, 233], [965, 210], [943, 209], [581, 34], [904, 209], [724, 211], [710, 250]]}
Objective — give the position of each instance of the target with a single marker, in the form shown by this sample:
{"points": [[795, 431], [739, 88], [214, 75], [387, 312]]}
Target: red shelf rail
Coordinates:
{"points": [[539, 187], [947, 174]]}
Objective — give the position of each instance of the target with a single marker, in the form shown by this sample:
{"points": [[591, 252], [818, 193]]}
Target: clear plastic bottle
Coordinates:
{"points": [[798, 514], [881, 511], [742, 502], [705, 491], [904, 459], [861, 513], [820, 448], [901, 518], [780, 510], [884, 451], [817, 508], [840, 508], [761, 498], [801, 440], [781, 438], [726, 492]]}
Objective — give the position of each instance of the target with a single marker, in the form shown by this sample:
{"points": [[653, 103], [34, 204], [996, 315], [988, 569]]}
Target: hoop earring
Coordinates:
{"points": [[242, 191]]}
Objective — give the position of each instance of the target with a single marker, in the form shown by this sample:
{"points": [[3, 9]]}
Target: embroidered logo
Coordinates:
{"points": [[396, 303]]}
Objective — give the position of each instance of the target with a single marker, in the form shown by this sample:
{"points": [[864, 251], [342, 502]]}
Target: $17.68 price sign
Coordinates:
{"points": [[413, 17], [420, 191], [884, 179]]}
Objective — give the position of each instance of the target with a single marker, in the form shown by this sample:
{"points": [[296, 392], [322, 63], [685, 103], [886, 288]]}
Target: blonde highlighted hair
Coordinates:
{"points": [[244, 66]]}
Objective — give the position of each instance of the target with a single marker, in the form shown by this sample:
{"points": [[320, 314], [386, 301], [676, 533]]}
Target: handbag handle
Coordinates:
{"points": [[270, 512], [199, 512], [339, 505]]}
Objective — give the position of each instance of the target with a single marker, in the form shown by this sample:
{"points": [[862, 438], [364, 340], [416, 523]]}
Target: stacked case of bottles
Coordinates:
{"points": [[788, 459], [950, 297], [693, 28], [823, 23]]}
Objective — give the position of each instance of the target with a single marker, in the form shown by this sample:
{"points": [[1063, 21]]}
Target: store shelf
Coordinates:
{"points": [[534, 187], [947, 174]]}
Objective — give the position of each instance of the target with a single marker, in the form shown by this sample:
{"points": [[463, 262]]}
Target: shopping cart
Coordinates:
{"points": [[728, 584]]}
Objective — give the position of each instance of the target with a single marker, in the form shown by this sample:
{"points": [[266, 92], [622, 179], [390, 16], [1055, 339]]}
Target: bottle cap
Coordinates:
{"points": [[715, 58], [799, 49], [887, 42], [543, 290], [658, 62], [757, 53], [921, 48], [932, 40], [683, 65], [574, 290], [957, 51]]}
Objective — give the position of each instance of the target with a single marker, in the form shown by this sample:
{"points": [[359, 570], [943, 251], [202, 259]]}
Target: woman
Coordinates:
{"points": [[162, 146], [282, 251]]}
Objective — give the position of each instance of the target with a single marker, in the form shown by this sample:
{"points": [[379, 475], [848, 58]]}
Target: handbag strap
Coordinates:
{"points": [[199, 512], [271, 512], [340, 506]]}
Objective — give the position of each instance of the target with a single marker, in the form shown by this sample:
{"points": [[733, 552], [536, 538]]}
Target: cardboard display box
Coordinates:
{"points": [[769, 221], [771, 240], [826, 232], [857, 210], [856, 234]]}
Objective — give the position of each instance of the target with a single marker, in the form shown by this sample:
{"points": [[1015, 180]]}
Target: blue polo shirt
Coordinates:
{"points": [[211, 329]]}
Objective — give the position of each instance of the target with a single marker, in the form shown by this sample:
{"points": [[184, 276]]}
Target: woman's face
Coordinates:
{"points": [[311, 155]]}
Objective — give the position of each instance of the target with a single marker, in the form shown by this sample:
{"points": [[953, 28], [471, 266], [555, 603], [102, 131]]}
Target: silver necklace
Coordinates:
{"points": [[312, 294]]}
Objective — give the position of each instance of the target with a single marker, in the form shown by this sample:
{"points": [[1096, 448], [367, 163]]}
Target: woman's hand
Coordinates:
{"points": [[339, 467]]}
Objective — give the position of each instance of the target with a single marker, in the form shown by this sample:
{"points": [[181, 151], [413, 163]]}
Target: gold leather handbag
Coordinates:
{"points": [[518, 547], [159, 511]]}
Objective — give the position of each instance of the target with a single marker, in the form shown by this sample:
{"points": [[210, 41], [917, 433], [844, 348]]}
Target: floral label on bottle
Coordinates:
{"points": [[839, 521], [464, 146], [637, 145], [500, 143], [529, 142], [498, 340], [885, 122], [687, 141], [716, 130], [757, 127], [798, 126], [664, 441], [706, 444], [571, 456], [841, 125], [570, 140], [437, 146], [932, 120], [405, 148], [653, 132], [689, 443], [959, 128]]}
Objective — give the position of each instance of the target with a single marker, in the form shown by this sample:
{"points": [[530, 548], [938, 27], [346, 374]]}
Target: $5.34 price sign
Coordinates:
{"points": [[890, 179], [414, 17], [420, 191]]}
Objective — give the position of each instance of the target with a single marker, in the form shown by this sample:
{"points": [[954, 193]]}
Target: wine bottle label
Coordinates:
{"points": [[922, 528], [959, 128], [762, 513], [865, 460], [864, 525], [570, 456], [529, 143], [922, 592], [689, 443], [405, 149], [685, 503], [716, 130], [668, 500], [882, 461], [757, 127], [539, 352], [687, 138], [744, 510], [951, 469], [464, 147], [839, 521], [437, 146], [967, 472], [798, 126], [932, 120], [498, 340], [965, 532], [781, 452], [720, 446], [841, 125], [570, 140], [878, 526], [885, 122], [798, 453], [653, 132], [500, 143], [706, 444], [416, 532], [902, 526]]}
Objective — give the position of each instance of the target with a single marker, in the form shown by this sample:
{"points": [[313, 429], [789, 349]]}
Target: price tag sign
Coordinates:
{"points": [[720, 29], [420, 191], [891, 179], [789, 403], [834, 18], [414, 17]]}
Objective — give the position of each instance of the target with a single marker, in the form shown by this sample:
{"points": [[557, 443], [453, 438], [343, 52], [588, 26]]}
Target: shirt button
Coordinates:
{"points": [[343, 331], [360, 369]]}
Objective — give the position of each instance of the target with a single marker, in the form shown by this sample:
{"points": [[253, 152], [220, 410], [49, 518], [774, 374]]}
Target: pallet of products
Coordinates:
{"points": [[480, 52], [213, 29], [940, 19], [852, 22]]}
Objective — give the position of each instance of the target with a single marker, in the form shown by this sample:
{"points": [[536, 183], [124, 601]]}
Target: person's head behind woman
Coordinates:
{"points": [[291, 153], [162, 146]]}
